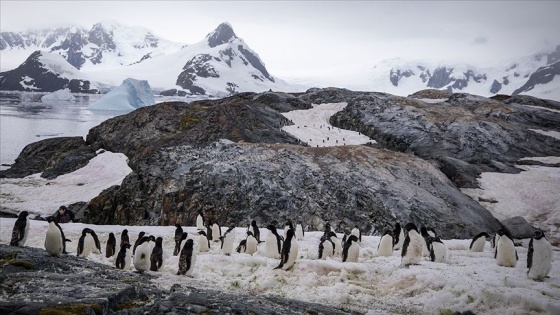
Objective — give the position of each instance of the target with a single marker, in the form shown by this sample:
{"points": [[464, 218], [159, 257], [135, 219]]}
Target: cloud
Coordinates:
{"points": [[480, 40]]}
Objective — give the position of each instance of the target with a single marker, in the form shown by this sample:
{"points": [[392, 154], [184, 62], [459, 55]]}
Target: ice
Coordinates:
{"points": [[130, 95], [60, 95]]}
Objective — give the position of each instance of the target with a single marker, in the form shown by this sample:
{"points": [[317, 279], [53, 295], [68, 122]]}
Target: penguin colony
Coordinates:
{"points": [[147, 252]]}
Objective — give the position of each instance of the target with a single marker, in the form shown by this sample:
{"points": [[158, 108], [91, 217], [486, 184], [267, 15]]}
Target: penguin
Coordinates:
{"points": [[124, 237], [242, 246], [54, 240], [64, 239], [494, 241], [431, 232], [227, 241], [506, 254], [273, 243], [539, 257], [345, 237], [137, 242], [203, 242], [216, 232], [438, 250], [385, 247], [85, 243], [478, 242], [412, 247], [300, 233], [209, 230], [97, 244], [142, 255], [329, 228], [111, 246], [351, 251], [187, 259], [326, 248], [398, 234], [337, 244], [253, 228], [356, 231], [124, 257], [178, 239], [20, 230], [287, 227], [200, 221], [289, 251], [156, 258], [251, 243], [425, 247]]}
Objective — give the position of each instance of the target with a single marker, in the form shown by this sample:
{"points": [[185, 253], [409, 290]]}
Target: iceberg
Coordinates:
{"points": [[58, 96], [130, 95]]}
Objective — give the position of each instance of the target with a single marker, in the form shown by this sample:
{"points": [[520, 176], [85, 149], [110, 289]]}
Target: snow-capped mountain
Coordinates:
{"points": [[522, 76], [221, 64], [106, 44], [46, 72]]}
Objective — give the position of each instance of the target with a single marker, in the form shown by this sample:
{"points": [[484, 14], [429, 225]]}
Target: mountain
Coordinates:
{"points": [[221, 64], [533, 75], [106, 44], [46, 72]]}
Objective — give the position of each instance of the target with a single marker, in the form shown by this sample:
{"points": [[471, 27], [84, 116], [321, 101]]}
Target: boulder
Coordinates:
{"points": [[518, 227]]}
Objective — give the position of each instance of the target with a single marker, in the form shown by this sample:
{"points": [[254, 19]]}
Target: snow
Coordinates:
{"points": [[550, 91], [373, 285], [130, 95], [60, 95], [25, 83], [313, 128], [58, 65]]}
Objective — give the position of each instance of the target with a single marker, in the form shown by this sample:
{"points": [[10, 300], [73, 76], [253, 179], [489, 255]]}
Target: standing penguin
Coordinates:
{"points": [[385, 247], [142, 255], [97, 244], [20, 230], [111, 246], [356, 231], [289, 251], [54, 240], [412, 247], [137, 242], [300, 233], [200, 221], [494, 241], [250, 244], [506, 254], [216, 232], [398, 233], [438, 250], [337, 244], [85, 243], [253, 228], [478, 242], [203, 242], [156, 258], [425, 244], [351, 250], [273, 243], [178, 239], [124, 257], [209, 230], [187, 259], [288, 226], [539, 257], [326, 247], [227, 241], [124, 238]]}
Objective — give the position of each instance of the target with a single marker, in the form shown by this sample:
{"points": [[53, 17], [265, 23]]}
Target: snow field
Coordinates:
{"points": [[470, 281]]}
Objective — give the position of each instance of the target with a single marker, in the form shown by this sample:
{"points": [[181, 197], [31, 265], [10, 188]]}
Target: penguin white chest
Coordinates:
{"points": [[53, 240], [440, 252], [414, 250], [353, 252], [541, 260], [505, 252], [251, 245], [385, 248], [292, 255], [478, 245], [271, 248], [142, 257]]}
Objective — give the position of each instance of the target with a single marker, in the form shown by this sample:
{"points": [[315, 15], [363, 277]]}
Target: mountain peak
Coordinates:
{"points": [[221, 35]]}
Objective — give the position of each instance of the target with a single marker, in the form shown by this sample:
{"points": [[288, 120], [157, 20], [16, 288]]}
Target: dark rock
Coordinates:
{"points": [[173, 92], [255, 62], [518, 227], [440, 78], [431, 93], [543, 75], [221, 35], [51, 157], [396, 75], [32, 282], [496, 87]]}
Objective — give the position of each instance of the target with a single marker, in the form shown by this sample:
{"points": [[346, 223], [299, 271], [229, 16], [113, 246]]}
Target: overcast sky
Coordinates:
{"points": [[296, 37]]}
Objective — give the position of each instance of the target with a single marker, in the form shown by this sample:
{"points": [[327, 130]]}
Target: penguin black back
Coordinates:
{"points": [[138, 240], [156, 258], [396, 233], [479, 235], [124, 237], [18, 232], [185, 258], [120, 262], [111, 245], [256, 232], [273, 230], [347, 244], [285, 253]]}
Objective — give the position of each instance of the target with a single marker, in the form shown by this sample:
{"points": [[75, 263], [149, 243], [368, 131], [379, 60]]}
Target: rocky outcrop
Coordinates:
{"points": [[543, 75], [488, 135], [51, 157], [35, 283], [431, 94], [234, 183]]}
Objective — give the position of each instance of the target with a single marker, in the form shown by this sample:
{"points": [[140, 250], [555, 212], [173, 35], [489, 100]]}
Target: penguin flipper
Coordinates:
{"points": [[530, 255], [279, 266]]}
